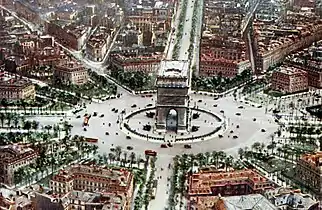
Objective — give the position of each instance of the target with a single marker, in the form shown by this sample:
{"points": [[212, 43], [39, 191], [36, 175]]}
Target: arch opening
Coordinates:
{"points": [[172, 120]]}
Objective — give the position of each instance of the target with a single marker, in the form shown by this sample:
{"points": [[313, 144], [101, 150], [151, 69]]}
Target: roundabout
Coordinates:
{"points": [[203, 125]]}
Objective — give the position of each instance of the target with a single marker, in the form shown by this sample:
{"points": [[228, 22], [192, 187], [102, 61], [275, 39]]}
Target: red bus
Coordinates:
{"points": [[91, 140], [150, 153]]}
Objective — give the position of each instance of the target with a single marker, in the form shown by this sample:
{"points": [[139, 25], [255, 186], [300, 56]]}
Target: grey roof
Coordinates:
{"points": [[247, 202]]}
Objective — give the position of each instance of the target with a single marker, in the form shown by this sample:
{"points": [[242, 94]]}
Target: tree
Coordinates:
{"points": [[241, 153], [118, 152], [16, 121], [2, 117], [132, 158]]}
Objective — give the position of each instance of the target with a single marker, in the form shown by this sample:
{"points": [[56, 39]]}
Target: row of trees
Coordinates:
{"points": [[52, 156], [137, 80], [219, 83]]}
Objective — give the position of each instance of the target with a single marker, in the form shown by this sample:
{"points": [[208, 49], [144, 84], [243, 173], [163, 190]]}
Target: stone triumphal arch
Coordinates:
{"points": [[172, 96]]}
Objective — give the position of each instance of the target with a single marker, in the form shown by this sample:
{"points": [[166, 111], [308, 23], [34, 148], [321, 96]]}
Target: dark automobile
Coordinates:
{"points": [[220, 136], [199, 100], [238, 114], [94, 114], [231, 131], [129, 148], [133, 106], [237, 126], [128, 137], [85, 129], [164, 146], [78, 116], [235, 137], [102, 115], [240, 107], [263, 130], [149, 105], [187, 146], [116, 110], [254, 119], [222, 111], [107, 133], [215, 105]]}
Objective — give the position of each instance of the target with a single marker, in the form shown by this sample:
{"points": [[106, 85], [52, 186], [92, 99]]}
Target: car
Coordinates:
{"points": [[149, 105], [123, 112], [94, 114], [85, 129], [215, 105], [112, 149], [216, 98], [133, 106], [237, 126], [129, 148], [260, 106], [263, 130], [187, 146], [235, 137], [222, 111], [254, 119], [113, 110], [116, 110], [128, 137], [163, 146], [78, 117], [238, 114], [169, 145], [231, 131], [199, 100], [240, 107], [102, 115], [107, 133], [220, 136]]}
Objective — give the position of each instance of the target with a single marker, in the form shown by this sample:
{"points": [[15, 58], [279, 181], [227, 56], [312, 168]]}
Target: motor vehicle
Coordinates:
{"points": [[215, 105], [113, 109], [240, 107], [116, 110], [107, 133], [260, 106], [263, 130], [199, 100], [231, 131], [143, 96], [91, 140], [133, 106], [85, 129], [128, 137], [222, 111], [164, 146], [149, 105], [150, 152], [169, 145], [254, 119], [112, 149], [187, 146], [216, 98], [235, 137], [94, 114], [129, 148], [117, 133], [238, 114], [220, 136], [85, 115], [237, 126], [78, 117], [102, 115], [123, 112]]}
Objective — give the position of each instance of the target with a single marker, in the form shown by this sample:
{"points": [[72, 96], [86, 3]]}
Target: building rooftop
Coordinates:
{"points": [[244, 202], [314, 160], [289, 70], [202, 182], [283, 197], [15, 83], [70, 66]]}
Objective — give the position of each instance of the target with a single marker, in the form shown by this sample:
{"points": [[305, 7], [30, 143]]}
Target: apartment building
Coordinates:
{"points": [[70, 72], [13, 157], [15, 89], [289, 80]]}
